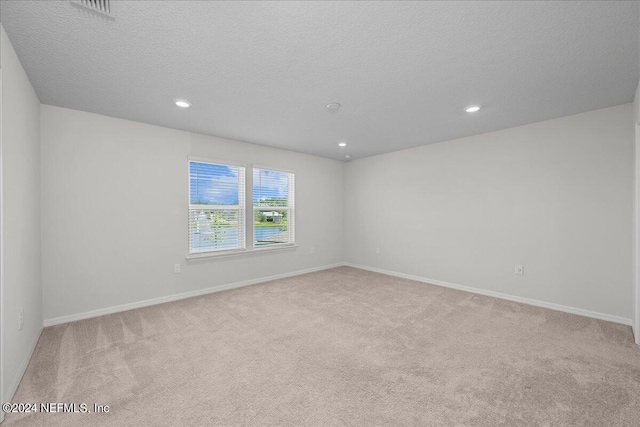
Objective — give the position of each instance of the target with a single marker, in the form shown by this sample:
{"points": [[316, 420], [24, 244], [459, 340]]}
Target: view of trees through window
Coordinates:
{"points": [[216, 207]]}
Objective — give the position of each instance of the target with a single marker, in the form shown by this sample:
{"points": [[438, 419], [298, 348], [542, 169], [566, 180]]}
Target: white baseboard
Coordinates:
{"points": [[23, 368], [176, 297], [523, 300]]}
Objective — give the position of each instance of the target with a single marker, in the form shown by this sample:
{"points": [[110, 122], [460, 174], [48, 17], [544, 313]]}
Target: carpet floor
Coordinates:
{"points": [[341, 347]]}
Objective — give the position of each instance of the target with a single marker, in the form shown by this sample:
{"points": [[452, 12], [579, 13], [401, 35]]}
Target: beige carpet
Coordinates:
{"points": [[335, 348]]}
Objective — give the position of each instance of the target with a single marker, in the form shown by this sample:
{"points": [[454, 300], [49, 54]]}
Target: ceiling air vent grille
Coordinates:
{"points": [[103, 7]]}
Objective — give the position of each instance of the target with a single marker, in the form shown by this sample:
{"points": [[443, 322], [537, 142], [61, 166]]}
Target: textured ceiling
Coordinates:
{"points": [[263, 72]]}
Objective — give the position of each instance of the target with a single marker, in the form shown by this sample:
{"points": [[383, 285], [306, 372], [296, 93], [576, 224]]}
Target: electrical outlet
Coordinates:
{"points": [[176, 268], [377, 251], [520, 270], [313, 249], [20, 320]]}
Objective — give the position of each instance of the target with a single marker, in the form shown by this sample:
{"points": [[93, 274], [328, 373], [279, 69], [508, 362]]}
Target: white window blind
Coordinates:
{"points": [[273, 207], [216, 207]]}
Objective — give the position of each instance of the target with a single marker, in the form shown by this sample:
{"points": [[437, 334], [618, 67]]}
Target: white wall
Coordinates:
{"points": [[636, 213], [555, 196], [114, 212], [20, 217]]}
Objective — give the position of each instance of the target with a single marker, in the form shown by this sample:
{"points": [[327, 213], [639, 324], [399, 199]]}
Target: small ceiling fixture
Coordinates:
{"points": [[347, 156], [334, 106], [342, 144], [472, 108], [182, 103]]}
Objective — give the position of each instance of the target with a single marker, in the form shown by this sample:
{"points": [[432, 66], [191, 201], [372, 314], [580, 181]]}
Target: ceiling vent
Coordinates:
{"points": [[103, 7]]}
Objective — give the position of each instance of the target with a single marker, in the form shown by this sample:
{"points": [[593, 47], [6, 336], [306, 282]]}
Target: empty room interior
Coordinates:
{"points": [[291, 213]]}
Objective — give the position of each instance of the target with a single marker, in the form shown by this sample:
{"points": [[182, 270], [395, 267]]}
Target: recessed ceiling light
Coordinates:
{"points": [[334, 106], [347, 156], [182, 103], [342, 144], [472, 108]]}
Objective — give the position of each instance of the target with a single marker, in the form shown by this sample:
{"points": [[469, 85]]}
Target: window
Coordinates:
{"points": [[220, 208], [216, 207], [273, 207]]}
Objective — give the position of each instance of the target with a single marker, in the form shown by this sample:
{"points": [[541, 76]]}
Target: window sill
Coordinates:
{"points": [[241, 253]]}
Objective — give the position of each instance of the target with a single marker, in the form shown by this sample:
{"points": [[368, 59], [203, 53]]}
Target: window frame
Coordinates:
{"points": [[249, 248], [290, 208], [240, 207]]}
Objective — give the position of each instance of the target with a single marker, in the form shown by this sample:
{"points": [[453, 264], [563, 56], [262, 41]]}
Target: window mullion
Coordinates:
{"points": [[249, 216]]}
